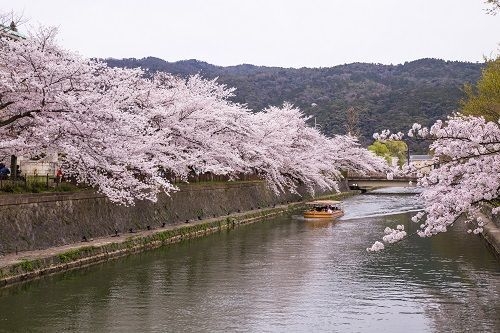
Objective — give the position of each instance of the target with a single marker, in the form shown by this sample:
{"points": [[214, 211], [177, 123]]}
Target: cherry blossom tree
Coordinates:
{"points": [[288, 152], [466, 162], [195, 128], [54, 100], [123, 133]]}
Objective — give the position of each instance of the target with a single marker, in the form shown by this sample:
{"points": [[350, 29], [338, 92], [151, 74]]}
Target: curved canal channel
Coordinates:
{"points": [[282, 275]]}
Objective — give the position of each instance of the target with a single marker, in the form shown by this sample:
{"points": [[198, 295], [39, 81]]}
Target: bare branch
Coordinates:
{"points": [[494, 7]]}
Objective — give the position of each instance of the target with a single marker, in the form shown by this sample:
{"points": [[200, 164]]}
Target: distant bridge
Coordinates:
{"points": [[372, 181]]}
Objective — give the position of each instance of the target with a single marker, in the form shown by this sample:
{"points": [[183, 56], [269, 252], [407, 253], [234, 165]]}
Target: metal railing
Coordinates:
{"points": [[49, 182], [20, 183], [379, 176]]}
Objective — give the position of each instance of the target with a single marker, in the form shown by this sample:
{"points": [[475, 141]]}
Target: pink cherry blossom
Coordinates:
{"points": [[126, 134], [465, 174]]}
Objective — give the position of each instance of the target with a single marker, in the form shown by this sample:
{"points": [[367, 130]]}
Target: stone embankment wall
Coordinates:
{"points": [[30, 265], [491, 231], [39, 221]]}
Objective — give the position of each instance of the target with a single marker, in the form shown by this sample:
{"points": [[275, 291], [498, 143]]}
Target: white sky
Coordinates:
{"points": [[286, 33]]}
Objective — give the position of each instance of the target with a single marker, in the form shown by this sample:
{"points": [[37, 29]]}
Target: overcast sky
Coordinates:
{"points": [[286, 33]]}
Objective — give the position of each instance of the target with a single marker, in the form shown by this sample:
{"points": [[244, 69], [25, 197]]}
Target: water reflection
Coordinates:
{"points": [[284, 275]]}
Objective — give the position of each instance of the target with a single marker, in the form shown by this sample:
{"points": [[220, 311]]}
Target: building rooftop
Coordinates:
{"points": [[11, 31]]}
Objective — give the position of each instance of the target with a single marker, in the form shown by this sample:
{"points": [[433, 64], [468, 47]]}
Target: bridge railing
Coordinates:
{"points": [[379, 176]]}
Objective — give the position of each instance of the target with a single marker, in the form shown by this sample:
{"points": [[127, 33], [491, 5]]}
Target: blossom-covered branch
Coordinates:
{"points": [[122, 132], [466, 157]]}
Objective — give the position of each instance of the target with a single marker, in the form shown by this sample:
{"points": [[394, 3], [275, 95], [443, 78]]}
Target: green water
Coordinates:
{"points": [[284, 275]]}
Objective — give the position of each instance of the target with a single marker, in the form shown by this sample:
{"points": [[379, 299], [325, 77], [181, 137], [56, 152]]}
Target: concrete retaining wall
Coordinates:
{"points": [[491, 231], [38, 221], [30, 265]]}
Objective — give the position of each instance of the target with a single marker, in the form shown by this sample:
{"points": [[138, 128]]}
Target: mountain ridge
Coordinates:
{"points": [[386, 96]]}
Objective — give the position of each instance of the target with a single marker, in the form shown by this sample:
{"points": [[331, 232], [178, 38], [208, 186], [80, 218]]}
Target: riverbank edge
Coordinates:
{"points": [[31, 265], [491, 230]]}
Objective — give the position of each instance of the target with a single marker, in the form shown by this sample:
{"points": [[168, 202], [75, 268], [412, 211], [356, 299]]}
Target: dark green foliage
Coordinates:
{"points": [[13, 188], [75, 254], [22, 187], [65, 187], [387, 96], [29, 265], [495, 202], [36, 186]]}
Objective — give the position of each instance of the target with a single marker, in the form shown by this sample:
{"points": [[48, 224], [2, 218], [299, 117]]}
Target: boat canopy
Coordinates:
{"points": [[323, 203]]}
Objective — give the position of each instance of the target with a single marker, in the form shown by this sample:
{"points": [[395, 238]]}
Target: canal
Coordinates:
{"points": [[285, 275]]}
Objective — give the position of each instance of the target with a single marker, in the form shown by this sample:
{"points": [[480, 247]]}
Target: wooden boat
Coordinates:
{"points": [[323, 209]]}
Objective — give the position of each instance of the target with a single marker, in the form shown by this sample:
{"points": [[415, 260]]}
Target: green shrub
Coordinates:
{"points": [[29, 265], [75, 254], [13, 188], [36, 185], [66, 187]]}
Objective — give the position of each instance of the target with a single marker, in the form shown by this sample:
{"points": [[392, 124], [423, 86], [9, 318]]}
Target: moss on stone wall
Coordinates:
{"points": [[32, 222]]}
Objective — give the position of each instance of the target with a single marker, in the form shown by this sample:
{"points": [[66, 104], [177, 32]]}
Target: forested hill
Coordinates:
{"points": [[387, 96]]}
